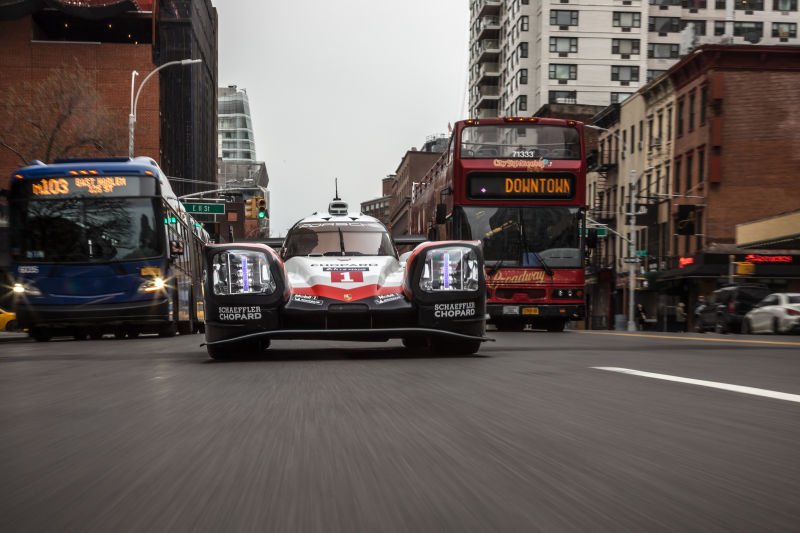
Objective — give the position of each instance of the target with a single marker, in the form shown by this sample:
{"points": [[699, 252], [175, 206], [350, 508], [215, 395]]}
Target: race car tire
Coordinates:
{"points": [[556, 326], [415, 343], [221, 352], [119, 333], [41, 334], [80, 334], [11, 326], [168, 330], [455, 347], [96, 335]]}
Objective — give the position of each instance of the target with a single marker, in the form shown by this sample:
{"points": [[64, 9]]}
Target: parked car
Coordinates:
{"points": [[777, 313], [8, 321], [727, 306]]}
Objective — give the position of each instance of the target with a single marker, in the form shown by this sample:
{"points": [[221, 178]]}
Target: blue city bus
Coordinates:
{"points": [[103, 246]]}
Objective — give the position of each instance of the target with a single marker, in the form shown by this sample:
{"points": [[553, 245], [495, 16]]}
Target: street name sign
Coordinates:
{"points": [[206, 209]]}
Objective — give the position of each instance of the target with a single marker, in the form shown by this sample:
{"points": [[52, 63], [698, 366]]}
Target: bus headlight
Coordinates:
{"points": [[451, 268], [241, 272], [21, 289], [153, 285]]}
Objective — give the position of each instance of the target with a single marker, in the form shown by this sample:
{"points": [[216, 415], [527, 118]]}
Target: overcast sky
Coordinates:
{"points": [[342, 89]]}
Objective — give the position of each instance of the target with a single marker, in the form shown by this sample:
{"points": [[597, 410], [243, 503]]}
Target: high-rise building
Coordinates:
{"points": [[238, 170], [526, 54], [235, 127]]}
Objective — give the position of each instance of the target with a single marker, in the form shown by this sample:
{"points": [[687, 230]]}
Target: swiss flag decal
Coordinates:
{"points": [[347, 277]]}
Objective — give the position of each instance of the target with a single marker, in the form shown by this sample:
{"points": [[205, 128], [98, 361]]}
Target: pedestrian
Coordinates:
{"points": [[641, 316], [698, 313], [680, 317]]}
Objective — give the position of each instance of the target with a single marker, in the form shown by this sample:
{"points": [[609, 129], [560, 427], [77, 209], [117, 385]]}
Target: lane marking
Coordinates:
{"points": [[707, 339], [703, 383]]}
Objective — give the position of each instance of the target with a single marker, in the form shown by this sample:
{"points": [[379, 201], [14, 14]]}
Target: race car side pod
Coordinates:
{"points": [[446, 282]]}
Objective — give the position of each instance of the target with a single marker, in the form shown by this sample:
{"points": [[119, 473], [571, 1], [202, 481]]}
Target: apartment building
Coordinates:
{"points": [[526, 54]]}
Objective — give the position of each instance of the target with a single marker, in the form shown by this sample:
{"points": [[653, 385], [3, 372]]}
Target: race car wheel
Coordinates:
{"points": [[80, 334], [168, 330], [556, 325], [415, 343], [455, 347], [41, 334], [221, 352], [11, 326]]}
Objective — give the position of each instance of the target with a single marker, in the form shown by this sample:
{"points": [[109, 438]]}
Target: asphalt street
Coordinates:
{"points": [[530, 435]]}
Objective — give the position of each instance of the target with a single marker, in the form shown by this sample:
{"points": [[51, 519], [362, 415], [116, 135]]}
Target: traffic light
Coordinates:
{"points": [[250, 208], [261, 204]]}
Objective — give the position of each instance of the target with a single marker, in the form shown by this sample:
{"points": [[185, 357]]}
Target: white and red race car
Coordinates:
{"points": [[339, 276]]}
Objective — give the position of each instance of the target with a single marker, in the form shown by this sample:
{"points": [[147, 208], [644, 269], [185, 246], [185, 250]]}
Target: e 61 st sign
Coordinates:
{"points": [[206, 209]]}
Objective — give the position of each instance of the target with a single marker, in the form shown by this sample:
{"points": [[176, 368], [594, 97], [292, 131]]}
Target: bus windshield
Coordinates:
{"points": [[520, 141], [524, 236], [85, 230], [341, 239]]}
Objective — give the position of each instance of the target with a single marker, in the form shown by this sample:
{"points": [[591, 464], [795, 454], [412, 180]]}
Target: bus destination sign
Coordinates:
{"points": [[522, 186], [91, 186]]}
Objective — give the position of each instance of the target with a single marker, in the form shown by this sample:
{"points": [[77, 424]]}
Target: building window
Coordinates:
{"points": [[654, 73], [523, 23], [522, 50], [633, 139], [661, 51], [665, 2], [694, 4], [701, 166], [563, 97], [624, 73], [664, 24], [677, 181], [618, 98], [689, 169], [703, 104], [749, 5], [625, 46], [564, 45], [626, 19], [699, 26], [523, 76], [749, 30], [669, 123], [522, 102], [784, 5], [719, 27], [679, 126], [784, 30], [563, 72], [691, 110], [563, 17]]}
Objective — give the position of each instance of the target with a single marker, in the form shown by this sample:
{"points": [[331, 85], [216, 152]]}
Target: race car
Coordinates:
{"points": [[338, 275]]}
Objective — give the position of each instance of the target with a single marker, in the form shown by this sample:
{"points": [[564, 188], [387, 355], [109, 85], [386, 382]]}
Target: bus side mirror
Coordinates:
{"points": [[591, 238], [441, 213], [175, 248]]}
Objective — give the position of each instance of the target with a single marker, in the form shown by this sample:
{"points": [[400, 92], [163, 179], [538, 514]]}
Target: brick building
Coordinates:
{"points": [[736, 130]]}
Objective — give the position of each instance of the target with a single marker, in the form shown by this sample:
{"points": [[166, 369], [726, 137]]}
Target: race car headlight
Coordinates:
{"points": [[241, 272], [454, 268], [21, 289]]}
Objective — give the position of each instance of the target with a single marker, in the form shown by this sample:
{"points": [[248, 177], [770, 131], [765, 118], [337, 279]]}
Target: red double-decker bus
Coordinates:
{"points": [[518, 185]]}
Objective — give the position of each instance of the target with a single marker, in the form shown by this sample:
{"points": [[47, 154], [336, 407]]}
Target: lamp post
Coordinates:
{"points": [[135, 101]]}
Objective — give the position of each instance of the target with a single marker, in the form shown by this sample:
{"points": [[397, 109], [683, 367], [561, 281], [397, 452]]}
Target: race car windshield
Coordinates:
{"points": [[333, 239]]}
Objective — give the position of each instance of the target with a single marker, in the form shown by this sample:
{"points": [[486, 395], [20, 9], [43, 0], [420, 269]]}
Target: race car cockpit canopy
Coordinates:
{"points": [[339, 234]]}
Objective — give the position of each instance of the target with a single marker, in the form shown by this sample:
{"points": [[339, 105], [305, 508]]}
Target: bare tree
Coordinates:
{"points": [[59, 116]]}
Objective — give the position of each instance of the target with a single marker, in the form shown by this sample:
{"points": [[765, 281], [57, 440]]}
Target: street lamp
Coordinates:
{"points": [[135, 101]]}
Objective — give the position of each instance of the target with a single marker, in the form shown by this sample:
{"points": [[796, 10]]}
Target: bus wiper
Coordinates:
{"points": [[526, 248]]}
